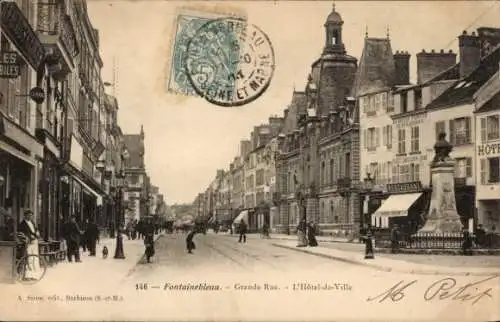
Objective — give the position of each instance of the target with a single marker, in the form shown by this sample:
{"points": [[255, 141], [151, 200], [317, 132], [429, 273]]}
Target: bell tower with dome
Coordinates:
{"points": [[334, 72], [333, 30]]}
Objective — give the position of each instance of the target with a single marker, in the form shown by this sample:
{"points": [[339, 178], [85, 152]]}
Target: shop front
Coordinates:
{"points": [[488, 186], [20, 157], [405, 206]]}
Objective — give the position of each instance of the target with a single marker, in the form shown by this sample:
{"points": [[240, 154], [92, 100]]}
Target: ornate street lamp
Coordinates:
{"points": [[121, 185]]}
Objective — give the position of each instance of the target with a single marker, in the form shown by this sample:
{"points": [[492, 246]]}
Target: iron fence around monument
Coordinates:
{"points": [[426, 240]]}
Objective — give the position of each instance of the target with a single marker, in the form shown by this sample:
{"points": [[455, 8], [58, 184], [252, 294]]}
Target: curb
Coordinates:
{"points": [[385, 268], [294, 238]]}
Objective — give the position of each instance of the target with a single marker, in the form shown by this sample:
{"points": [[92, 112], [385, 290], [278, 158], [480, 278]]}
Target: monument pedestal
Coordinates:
{"points": [[443, 216]]}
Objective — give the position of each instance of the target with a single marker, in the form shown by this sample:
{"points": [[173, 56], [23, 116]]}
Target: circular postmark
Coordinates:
{"points": [[229, 62]]}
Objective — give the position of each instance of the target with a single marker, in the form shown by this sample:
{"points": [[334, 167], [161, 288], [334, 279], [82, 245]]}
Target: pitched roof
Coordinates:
{"points": [[376, 67], [462, 91], [491, 105], [135, 147], [297, 106]]}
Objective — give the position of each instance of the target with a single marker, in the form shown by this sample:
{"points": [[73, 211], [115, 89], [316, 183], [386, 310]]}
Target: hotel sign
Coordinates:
{"points": [[488, 149], [405, 187]]}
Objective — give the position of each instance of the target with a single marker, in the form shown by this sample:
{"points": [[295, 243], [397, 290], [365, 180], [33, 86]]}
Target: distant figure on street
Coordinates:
{"points": [[265, 231], [395, 236], [28, 229], [149, 242], [301, 233], [480, 236], [311, 234], [92, 237], [72, 234], [189, 241], [84, 241], [243, 231]]}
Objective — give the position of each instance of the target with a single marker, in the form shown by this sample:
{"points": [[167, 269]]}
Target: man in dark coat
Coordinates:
{"points": [[189, 241], [149, 242], [92, 236], [243, 232], [72, 234]]}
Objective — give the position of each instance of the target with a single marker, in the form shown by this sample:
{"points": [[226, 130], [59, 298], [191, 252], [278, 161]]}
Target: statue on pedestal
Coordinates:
{"points": [[443, 216], [442, 149]]}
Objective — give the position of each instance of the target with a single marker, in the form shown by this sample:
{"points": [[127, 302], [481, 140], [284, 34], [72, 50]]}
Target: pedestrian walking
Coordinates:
{"points": [[149, 243], [395, 237], [467, 244], [190, 245], [301, 233], [84, 239], [265, 231], [72, 234], [92, 237], [311, 234], [243, 232]]}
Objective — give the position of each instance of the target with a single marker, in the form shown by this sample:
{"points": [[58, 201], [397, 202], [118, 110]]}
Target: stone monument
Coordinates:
{"points": [[443, 216]]}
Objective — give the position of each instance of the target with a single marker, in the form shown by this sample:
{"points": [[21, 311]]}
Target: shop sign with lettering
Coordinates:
{"points": [[15, 25], [410, 159], [488, 149], [9, 64], [405, 187], [411, 120]]}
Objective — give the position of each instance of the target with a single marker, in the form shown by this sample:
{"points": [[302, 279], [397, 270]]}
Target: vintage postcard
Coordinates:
{"points": [[249, 160]]}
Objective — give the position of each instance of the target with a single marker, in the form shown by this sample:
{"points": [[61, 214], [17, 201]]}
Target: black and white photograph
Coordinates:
{"points": [[249, 160]]}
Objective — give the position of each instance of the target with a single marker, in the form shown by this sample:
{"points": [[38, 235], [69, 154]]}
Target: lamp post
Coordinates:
{"points": [[119, 252], [368, 188]]}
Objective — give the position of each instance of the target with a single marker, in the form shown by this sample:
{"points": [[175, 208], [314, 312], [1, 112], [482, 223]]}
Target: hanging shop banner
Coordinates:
{"points": [[37, 94], [9, 64]]}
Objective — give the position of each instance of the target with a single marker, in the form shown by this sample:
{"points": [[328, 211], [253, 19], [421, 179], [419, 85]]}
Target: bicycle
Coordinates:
{"points": [[26, 260]]}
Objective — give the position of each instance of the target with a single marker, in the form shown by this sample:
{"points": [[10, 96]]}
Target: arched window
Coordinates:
{"points": [[332, 169]]}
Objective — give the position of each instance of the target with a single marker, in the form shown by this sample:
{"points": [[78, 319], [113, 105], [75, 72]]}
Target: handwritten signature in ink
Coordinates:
{"points": [[443, 289]]}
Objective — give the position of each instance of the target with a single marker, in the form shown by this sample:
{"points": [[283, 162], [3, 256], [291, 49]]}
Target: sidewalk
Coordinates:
{"points": [[94, 270], [395, 263]]}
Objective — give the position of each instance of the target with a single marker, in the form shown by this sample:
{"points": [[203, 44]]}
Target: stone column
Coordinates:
{"points": [[443, 216]]}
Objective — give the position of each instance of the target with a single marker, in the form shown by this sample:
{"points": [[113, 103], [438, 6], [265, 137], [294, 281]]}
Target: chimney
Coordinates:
{"points": [[431, 64], [470, 53], [402, 65]]}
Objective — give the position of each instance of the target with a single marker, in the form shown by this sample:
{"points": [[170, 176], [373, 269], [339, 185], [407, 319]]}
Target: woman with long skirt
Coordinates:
{"points": [[311, 234], [301, 233]]}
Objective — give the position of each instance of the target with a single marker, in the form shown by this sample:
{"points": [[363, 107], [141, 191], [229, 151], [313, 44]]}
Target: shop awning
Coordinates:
{"points": [[242, 216], [394, 206], [89, 189]]}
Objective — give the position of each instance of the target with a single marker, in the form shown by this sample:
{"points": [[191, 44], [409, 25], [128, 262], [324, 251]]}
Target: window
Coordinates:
{"points": [[395, 173], [417, 98], [401, 141], [387, 136], [490, 128], [440, 128], [389, 172], [404, 102], [332, 171], [415, 139], [484, 171], [415, 175], [494, 170], [390, 103], [323, 173], [347, 165], [460, 131], [404, 173], [372, 138], [378, 102], [363, 101], [463, 168]]}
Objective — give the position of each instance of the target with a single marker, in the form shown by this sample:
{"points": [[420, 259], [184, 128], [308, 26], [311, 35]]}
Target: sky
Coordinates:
{"points": [[187, 139]]}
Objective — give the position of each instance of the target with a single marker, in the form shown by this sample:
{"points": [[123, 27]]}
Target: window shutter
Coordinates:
{"points": [[483, 171], [384, 135], [483, 129], [377, 137], [452, 132], [467, 129], [365, 135], [468, 168]]}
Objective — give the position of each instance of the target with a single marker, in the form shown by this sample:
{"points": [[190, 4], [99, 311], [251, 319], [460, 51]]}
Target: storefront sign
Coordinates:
{"points": [[404, 187], [410, 159], [76, 154], [18, 29], [411, 120], [487, 149], [13, 132], [37, 94], [9, 64]]}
